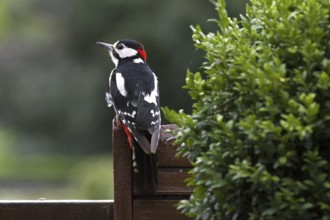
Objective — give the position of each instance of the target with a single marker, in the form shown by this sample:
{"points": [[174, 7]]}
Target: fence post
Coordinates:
{"points": [[122, 175], [130, 199]]}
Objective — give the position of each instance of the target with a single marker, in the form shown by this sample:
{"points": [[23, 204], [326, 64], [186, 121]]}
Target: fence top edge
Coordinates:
{"points": [[44, 201]]}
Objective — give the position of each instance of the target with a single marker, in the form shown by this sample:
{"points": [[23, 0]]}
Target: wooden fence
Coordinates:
{"points": [[56, 210], [130, 201]]}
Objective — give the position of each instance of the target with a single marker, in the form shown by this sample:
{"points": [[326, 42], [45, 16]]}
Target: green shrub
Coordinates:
{"points": [[259, 133]]}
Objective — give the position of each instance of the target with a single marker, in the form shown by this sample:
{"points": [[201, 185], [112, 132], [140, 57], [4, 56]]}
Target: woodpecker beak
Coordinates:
{"points": [[107, 46]]}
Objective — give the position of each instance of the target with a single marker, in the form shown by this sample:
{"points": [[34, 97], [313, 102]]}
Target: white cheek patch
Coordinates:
{"points": [[110, 78], [120, 82], [126, 52], [152, 97], [114, 59]]}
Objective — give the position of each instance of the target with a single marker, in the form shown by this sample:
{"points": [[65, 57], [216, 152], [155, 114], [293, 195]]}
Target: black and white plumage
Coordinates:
{"points": [[134, 94]]}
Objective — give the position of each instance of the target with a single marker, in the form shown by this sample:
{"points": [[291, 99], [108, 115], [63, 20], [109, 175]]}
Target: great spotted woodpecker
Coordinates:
{"points": [[134, 95]]}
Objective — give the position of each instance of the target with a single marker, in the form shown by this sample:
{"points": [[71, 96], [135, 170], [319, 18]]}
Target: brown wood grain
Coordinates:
{"points": [[166, 152], [56, 210], [171, 182], [131, 200], [157, 210], [122, 175], [166, 155]]}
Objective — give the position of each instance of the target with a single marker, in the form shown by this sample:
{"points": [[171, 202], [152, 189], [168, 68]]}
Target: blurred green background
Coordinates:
{"points": [[55, 128]]}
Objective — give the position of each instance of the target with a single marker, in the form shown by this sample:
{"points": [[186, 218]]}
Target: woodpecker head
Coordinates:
{"points": [[125, 50]]}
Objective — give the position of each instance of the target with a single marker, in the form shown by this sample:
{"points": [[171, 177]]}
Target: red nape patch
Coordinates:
{"points": [[142, 54]]}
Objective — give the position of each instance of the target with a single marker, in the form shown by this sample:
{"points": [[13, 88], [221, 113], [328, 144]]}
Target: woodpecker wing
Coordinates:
{"points": [[148, 118]]}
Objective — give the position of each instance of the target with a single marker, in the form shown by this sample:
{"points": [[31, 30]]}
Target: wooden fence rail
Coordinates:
{"points": [[56, 210], [130, 201]]}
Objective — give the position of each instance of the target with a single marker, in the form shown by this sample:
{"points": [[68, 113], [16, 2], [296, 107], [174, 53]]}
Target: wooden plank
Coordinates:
{"points": [[171, 182], [172, 173], [166, 155], [122, 175], [157, 209], [56, 210], [167, 150]]}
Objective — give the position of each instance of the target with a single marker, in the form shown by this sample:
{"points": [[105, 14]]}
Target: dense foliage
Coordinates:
{"points": [[259, 133]]}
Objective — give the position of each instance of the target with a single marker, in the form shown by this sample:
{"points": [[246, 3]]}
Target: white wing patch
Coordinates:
{"points": [[154, 122], [153, 113], [120, 82], [132, 115], [152, 97], [138, 60]]}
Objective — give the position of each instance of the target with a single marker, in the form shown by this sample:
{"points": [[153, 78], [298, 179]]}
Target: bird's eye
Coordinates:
{"points": [[120, 46]]}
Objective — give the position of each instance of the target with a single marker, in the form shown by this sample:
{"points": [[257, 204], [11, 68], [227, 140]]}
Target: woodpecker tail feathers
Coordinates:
{"points": [[154, 141], [147, 170]]}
